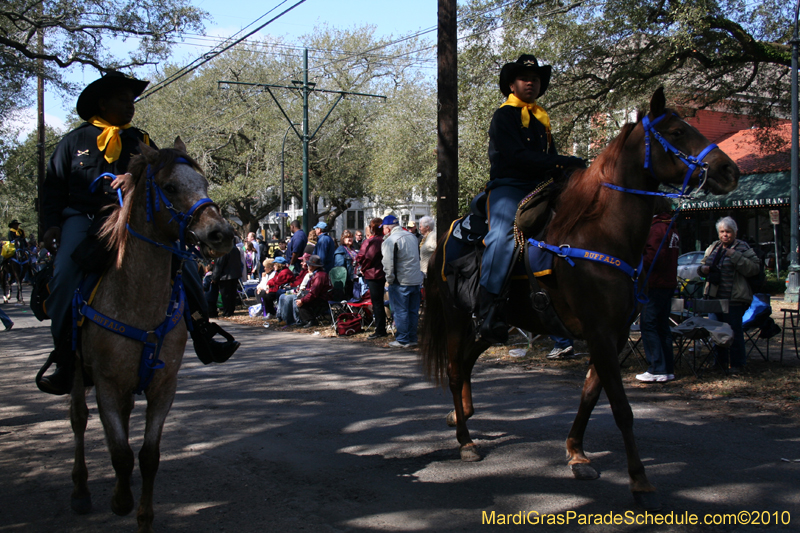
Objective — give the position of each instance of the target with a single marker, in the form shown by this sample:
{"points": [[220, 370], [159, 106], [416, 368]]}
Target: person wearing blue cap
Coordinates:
{"points": [[400, 251], [522, 156], [325, 246]]}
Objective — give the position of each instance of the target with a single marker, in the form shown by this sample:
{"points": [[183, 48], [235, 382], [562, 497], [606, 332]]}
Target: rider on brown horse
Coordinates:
{"points": [[105, 143], [522, 156]]}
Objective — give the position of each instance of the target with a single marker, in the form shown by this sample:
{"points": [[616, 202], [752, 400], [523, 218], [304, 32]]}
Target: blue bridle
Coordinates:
{"points": [[692, 162], [177, 308], [154, 198]]}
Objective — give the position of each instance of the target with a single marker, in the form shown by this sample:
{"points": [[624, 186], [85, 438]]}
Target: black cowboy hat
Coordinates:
{"points": [[510, 71], [87, 101], [13, 223]]}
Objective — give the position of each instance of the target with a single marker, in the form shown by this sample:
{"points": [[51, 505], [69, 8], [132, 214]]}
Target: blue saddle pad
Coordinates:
{"points": [[541, 261]]}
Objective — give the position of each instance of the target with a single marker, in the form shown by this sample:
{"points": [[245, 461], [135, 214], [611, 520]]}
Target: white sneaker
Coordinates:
{"points": [[268, 316], [396, 344], [655, 378], [410, 345], [561, 353]]}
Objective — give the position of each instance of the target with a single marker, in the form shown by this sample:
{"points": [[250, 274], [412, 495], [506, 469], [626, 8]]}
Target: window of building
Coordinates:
{"points": [[354, 220]]}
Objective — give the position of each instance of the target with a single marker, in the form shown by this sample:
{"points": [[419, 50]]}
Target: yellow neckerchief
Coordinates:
{"points": [[109, 140], [538, 112], [16, 231]]}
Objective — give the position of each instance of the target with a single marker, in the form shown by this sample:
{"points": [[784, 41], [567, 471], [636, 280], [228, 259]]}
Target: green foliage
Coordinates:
{"points": [[236, 131], [83, 33], [18, 175]]}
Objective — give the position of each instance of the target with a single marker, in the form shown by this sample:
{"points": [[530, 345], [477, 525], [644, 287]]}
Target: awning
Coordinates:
{"points": [[754, 191]]}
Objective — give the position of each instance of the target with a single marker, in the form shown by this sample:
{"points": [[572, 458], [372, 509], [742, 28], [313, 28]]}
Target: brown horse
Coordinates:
{"points": [[135, 291], [595, 301]]}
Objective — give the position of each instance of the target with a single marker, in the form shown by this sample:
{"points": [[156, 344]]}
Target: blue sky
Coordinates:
{"points": [[229, 16]]}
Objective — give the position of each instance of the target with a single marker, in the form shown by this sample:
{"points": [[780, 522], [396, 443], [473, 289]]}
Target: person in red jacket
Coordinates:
{"points": [[282, 277], [370, 259], [312, 300], [656, 336]]}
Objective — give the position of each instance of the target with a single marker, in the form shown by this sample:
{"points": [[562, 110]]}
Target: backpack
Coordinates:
{"points": [[348, 324], [40, 291]]}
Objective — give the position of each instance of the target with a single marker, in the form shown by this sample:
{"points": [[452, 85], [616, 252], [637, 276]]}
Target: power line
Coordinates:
{"points": [[210, 55]]}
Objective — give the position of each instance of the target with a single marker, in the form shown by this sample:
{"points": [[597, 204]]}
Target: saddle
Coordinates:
{"points": [[463, 252]]}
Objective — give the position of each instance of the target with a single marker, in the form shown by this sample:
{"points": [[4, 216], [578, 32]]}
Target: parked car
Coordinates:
{"points": [[687, 265]]}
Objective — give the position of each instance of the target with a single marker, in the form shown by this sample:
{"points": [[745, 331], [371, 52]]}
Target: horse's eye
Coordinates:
{"points": [[170, 188], [678, 132]]}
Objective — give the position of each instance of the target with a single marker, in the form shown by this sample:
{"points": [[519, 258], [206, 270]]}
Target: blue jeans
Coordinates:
{"points": [[738, 358], [656, 336], [502, 208], [561, 342], [67, 275], [7, 322], [286, 308], [405, 300]]}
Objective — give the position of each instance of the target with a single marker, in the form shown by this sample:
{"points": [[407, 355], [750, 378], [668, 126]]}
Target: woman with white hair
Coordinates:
{"points": [[726, 266], [428, 243]]}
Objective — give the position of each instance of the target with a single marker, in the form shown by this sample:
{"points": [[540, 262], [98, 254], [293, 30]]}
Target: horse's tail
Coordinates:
{"points": [[434, 331]]}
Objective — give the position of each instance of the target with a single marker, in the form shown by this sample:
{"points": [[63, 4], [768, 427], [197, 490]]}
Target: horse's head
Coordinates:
{"points": [[187, 208], [677, 153]]}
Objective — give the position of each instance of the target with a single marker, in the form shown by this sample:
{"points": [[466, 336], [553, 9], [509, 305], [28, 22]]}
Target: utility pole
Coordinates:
{"points": [[305, 88], [447, 145], [794, 268], [283, 173]]}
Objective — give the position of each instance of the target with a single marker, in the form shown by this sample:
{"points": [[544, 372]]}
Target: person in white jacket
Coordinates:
{"points": [[400, 251]]}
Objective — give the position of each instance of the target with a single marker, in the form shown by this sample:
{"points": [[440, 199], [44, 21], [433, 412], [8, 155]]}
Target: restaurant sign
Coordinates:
{"points": [[754, 191]]}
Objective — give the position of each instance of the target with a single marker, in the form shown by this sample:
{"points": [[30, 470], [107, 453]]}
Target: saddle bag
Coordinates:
{"points": [[348, 324], [40, 291]]}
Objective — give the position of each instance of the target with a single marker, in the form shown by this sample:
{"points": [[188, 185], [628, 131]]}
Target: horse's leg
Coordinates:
{"points": [[78, 414], [159, 401], [466, 389], [578, 462], [458, 380], [115, 410], [606, 360]]}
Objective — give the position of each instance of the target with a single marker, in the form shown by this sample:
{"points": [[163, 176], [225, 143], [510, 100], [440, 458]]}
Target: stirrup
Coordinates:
{"points": [[57, 383], [208, 350]]}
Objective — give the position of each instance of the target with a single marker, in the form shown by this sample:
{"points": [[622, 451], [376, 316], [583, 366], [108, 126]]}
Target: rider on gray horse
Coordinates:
{"points": [[522, 156], [105, 143]]}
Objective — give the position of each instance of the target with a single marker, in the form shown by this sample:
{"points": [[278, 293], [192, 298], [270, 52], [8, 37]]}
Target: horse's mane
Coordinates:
{"points": [[114, 231], [584, 198]]}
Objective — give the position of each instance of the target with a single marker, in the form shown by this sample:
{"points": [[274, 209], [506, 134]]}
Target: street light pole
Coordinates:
{"points": [[794, 268], [283, 151]]}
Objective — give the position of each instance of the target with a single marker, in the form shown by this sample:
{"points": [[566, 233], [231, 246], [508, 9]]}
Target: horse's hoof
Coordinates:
{"points": [[451, 418], [469, 453], [584, 471], [122, 507], [649, 501], [82, 505]]}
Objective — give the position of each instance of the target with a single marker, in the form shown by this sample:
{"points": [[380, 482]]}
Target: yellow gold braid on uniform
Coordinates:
{"points": [[519, 239]]}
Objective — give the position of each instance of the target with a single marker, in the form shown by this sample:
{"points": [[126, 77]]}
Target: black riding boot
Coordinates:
{"points": [[60, 381], [208, 350], [491, 312]]}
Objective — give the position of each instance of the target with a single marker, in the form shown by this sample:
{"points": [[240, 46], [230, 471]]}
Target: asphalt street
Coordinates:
{"points": [[302, 433]]}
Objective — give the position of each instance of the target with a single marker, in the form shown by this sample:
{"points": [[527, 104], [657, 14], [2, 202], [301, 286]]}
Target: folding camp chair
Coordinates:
{"points": [[241, 296], [758, 324]]}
